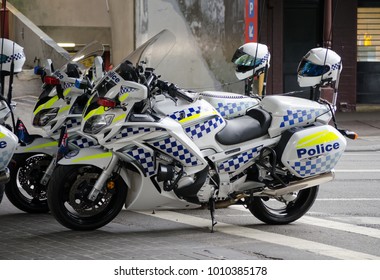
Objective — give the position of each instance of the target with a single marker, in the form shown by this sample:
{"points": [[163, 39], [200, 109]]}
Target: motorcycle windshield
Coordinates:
{"points": [[79, 63], [151, 54], [84, 58]]}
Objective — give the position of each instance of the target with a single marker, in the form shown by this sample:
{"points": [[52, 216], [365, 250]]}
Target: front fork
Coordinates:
{"points": [[49, 171], [107, 173]]}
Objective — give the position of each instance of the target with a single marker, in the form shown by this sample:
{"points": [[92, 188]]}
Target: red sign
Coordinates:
{"points": [[251, 16]]}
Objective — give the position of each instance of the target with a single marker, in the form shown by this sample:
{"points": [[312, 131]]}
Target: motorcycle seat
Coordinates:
{"points": [[253, 124]]}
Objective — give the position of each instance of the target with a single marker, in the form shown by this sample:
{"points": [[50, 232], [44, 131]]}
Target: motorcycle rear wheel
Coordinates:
{"points": [[67, 198], [274, 212], [24, 189]]}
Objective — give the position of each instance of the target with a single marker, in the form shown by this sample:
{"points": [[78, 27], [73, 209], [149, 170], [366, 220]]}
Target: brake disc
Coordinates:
{"points": [[79, 193]]}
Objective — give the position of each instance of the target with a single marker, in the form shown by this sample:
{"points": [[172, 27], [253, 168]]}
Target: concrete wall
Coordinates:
{"points": [[37, 45], [110, 22]]}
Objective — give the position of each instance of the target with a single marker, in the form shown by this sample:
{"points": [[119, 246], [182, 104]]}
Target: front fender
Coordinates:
{"points": [[95, 157], [88, 156], [39, 145]]}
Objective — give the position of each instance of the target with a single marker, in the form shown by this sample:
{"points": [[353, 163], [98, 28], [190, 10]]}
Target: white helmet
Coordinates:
{"points": [[319, 66], [251, 59], [11, 51]]}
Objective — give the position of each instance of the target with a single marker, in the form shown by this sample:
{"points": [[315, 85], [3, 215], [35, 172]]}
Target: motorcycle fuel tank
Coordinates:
{"points": [[312, 151]]}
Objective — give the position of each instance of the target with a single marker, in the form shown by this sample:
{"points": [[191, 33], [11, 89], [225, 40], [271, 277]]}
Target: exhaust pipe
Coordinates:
{"points": [[300, 185], [292, 187]]}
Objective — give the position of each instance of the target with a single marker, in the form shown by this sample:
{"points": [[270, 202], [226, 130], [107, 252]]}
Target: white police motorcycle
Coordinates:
{"points": [[58, 107], [12, 59], [163, 147]]}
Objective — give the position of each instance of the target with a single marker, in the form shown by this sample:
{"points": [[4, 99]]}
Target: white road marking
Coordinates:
{"points": [[348, 199], [357, 170], [274, 238], [371, 232]]}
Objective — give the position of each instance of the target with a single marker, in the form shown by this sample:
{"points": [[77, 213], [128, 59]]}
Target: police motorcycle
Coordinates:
{"points": [[162, 147], [58, 108], [12, 59]]}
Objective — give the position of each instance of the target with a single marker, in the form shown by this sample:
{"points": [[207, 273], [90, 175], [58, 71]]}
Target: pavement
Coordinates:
{"points": [[38, 236]]}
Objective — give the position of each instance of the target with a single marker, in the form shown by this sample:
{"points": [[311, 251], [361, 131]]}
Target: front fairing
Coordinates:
{"points": [[64, 105], [124, 87]]}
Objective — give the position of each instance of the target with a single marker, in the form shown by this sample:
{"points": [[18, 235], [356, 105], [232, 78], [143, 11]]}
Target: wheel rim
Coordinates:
{"points": [[276, 207], [77, 206], [29, 176]]}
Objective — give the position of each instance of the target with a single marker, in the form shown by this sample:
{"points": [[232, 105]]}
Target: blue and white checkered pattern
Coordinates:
{"points": [[83, 143], [125, 89], [306, 168], [145, 158], [228, 109], [174, 148], [70, 123], [265, 58], [299, 116], [335, 66], [201, 129], [185, 113], [16, 56], [239, 160], [66, 85], [132, 130], [73, 122], [5, 156]]}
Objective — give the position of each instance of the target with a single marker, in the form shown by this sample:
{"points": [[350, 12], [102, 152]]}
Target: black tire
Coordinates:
{"points": [[67, 198], [268, 212], [1, 192], [24, 189]]}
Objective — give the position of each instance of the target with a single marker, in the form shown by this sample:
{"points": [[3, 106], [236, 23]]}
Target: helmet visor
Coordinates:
{"points": [[240, 58], [309, 69]]}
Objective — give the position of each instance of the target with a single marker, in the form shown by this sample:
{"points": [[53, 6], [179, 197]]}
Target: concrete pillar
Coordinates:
{"points": [[122, 18]]}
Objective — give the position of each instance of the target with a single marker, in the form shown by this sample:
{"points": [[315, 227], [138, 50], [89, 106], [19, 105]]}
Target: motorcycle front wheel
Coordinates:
{"points": [[275, 212], [24, 189], [68, 190]]}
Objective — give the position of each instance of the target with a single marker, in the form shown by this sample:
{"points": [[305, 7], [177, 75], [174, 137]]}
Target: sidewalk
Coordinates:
{"points": [[366, 125]]}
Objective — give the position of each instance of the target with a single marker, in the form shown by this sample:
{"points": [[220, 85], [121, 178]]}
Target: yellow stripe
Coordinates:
{"points": [[2, 135], [67, 91], [50, 144], [196, 116], [98, 156], [316, 139], [119, 118], [123, 97], [64, 109], [46, 105], [98, 111]]}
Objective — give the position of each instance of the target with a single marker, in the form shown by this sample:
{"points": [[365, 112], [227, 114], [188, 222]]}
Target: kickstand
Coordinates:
{"points": [[212, 212]]}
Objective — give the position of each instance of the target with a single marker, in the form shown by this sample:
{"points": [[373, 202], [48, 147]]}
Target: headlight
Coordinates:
{"points": [[96, 123], [43, 117]]}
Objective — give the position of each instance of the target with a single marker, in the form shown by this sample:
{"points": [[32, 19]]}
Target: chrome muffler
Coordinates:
{"points": [[300, 185]]}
